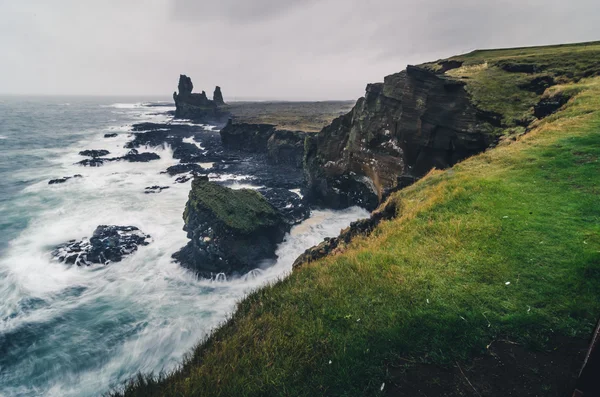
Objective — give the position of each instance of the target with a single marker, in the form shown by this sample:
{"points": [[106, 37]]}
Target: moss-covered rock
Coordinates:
{"points": [[230, 231]]}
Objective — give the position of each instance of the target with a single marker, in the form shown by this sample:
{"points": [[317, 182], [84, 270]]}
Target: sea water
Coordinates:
{"points": [[79, 331]]}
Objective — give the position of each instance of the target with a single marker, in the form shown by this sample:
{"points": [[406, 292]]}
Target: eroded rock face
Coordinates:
{"points": [[281, 146], [230, 231], [412, 122], [198, 107], [107, 244]]}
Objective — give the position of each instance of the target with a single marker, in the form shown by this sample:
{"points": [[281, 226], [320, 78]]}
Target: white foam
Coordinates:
{"points": [[168, 308]]}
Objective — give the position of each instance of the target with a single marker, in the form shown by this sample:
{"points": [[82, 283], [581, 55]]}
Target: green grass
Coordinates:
{"points": [[495, 90], [431, 284], [244, 210]]}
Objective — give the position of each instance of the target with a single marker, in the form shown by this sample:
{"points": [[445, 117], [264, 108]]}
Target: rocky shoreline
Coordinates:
{"points": [[416, 120]]}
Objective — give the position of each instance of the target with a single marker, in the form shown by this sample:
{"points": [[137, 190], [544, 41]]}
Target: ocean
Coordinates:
{"points": [[80, 331]]}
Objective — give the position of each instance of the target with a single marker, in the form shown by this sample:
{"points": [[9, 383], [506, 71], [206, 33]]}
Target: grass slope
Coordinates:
{"points": [[503, 246]]}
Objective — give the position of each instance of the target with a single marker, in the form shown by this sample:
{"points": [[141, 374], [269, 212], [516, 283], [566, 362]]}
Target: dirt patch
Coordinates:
{"points": [[507, 369]]}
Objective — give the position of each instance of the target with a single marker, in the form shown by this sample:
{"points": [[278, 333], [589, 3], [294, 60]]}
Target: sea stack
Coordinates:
{"points": [[198, 107], [218, 97]]}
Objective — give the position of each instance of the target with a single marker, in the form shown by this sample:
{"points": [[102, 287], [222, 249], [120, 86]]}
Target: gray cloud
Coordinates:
{"points": [[235, 10], [306, 49]]}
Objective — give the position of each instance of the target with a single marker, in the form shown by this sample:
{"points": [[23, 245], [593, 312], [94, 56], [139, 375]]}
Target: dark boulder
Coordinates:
{"points": [[108, 244], [111, 135], [94, 153], [155, 189], [293, 208], [185, 168], [230, 231], [63, 179], [135, 157], [94, 162]]}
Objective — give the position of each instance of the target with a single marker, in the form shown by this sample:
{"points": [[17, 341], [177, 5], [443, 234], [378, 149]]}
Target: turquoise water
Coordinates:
{"points": [[71, 331]]}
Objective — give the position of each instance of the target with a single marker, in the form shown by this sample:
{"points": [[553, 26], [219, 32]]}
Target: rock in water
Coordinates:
{"points": [[108, 244], [230, 231], [94, 153], [293, 208], [218, 96], [197, 106]]}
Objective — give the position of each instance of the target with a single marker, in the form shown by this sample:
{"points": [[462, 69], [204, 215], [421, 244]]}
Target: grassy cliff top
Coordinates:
{"points": [[500, 253], [294, 116], [509, 82], [243, 210]]}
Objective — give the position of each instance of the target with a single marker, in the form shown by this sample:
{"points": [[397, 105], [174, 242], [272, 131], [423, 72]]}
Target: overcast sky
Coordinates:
{"points": [[286, 49]]}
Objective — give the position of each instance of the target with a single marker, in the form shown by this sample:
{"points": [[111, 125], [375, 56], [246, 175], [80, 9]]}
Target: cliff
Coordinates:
{"points": [[198, 107], [432, 116], [281, 146], [414, 121], [482, 279]]}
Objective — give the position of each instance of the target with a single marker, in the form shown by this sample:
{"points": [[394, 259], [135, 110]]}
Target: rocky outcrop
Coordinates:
{"points": [[230, 231], [414, 121], [218, 97], [63, 179], [94, 153], [107, 244], [293, 207], [196, 106], [282, 147], [286, 147], [133, 156], [363, 227]]}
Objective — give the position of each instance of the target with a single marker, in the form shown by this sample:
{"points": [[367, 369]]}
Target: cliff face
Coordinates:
{"points": [[282, 147], [198, 107], [412, 122]]}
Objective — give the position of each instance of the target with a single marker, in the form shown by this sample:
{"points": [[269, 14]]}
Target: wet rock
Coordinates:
{"points": [[63, 179], [94, 162], [135, 157], [185, 168], [183, 179], [94, 153], [230, 231], [107, 244], [293, 208], [155, 189], [111, 135]]}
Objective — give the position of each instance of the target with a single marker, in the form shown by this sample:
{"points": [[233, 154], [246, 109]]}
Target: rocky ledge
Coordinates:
{"points": [[198, 107], [282, 147], [107, 244], [230, 231]]}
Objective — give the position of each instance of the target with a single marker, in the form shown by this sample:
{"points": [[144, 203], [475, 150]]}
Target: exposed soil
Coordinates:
{"points": [[507, 369]]}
